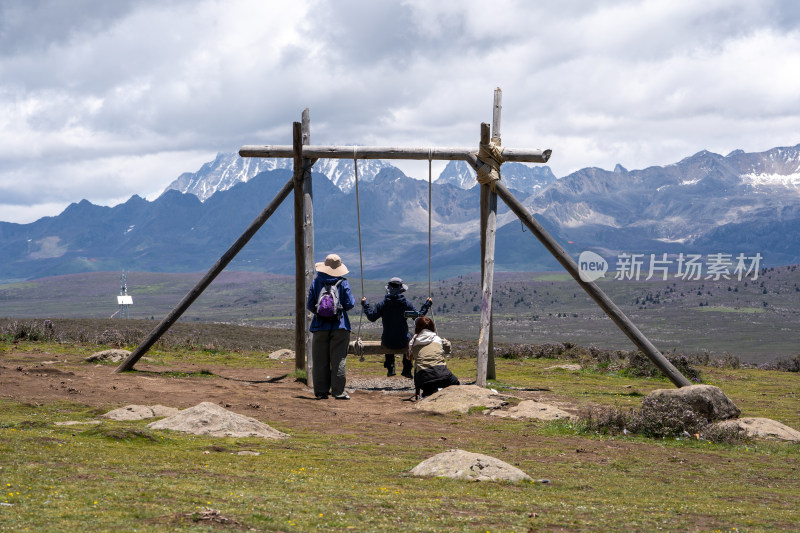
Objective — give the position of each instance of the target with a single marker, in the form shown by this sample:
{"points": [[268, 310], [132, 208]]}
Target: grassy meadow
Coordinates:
{"points": [[345, 475]]}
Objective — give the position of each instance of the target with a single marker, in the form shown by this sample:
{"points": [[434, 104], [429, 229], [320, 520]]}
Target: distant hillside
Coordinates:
{"points": [[755, 320]]}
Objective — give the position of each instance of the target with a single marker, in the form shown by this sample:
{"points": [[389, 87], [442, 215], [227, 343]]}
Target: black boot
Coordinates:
{"points": [[388, 364], [407, 366]]}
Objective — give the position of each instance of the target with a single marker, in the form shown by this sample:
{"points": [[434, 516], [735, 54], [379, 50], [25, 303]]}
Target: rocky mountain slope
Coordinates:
{"points": [[704, 204]]}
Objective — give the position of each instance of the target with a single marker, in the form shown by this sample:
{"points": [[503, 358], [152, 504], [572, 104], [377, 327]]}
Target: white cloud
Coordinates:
{"points": [[103, 100]]}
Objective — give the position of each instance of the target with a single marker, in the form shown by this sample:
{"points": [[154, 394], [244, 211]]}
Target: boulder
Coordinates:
{"points": [[460, 464], [208, 418], [283, 353], [763, 428], [568, 366], [534, 409], [113, 356], [140, 412], [705, 400], [460, 398]]}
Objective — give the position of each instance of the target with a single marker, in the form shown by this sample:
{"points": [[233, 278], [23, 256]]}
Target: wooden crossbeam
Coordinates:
{"points": [[519, 155]]}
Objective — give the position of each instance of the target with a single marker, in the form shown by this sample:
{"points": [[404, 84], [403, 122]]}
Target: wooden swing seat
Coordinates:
{"points": [[376, 348]]}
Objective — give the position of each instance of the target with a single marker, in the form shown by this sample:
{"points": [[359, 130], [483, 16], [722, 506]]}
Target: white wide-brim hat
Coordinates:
{"points": [[332, 266]]}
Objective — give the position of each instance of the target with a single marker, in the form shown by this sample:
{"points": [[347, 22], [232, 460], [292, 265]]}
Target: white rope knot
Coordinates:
{"points": [[491, 155]]}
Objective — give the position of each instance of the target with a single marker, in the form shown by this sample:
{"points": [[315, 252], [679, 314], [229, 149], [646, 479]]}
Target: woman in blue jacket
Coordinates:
{"points": [[392, 310], [330, 331]]}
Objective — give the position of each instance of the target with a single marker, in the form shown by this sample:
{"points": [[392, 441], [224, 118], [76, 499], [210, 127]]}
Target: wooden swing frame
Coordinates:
{"points": [[305, 155]]}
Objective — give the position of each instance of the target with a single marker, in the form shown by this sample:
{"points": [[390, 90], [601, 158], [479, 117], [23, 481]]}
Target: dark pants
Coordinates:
{"points": [[429, 387], [388, 363], [329, 355]]}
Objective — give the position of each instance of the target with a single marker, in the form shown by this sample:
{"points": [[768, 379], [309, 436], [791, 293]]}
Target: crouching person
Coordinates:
{"points": [[426, 350]]}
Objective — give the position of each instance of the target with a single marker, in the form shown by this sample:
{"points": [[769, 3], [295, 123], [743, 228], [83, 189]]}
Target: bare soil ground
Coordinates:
{"points": [[377, 402]]}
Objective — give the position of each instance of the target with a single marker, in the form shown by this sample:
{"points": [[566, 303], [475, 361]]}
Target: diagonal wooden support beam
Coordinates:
{"points": [[213, 272], [605, 303]]}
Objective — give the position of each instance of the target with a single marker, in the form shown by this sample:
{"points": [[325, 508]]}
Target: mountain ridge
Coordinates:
{"points": [[704, 203]]}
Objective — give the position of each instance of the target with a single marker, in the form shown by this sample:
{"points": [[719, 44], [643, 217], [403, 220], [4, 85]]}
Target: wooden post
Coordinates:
{"points": [[488, 278], [213, 272], [491, 373], [299, 251], [308, 230], [484, 215]]}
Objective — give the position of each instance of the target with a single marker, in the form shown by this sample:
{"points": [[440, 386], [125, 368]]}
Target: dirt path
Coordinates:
{"points": [[377, 402]]}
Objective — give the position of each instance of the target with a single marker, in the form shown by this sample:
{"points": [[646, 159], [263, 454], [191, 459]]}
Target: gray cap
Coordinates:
{"points": [[397, 284]]}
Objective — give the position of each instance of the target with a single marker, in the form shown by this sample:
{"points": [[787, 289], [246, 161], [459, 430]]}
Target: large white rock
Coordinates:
{"points": [[763, 427], [114, 356], [283, 353], [208, 418], [460, 398], [534, 409], [140, 412], [460, 464]]}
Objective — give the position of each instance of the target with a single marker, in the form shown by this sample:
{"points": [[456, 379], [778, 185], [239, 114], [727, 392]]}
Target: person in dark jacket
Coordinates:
{"points": [[427, 351], [392, 312], [330, 336]]}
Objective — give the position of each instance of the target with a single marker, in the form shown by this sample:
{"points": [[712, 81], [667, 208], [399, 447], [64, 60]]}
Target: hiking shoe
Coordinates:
{"points": [[406, 374], [390, 371], [321, 396], [342, 396]]}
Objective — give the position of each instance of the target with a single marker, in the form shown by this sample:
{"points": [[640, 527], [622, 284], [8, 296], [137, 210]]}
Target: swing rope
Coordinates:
{"points": [[359, 345], [430, 210], [430, 187]]}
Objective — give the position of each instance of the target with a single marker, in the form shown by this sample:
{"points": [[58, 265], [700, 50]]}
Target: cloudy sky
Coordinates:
{"points": [[103, 100]]}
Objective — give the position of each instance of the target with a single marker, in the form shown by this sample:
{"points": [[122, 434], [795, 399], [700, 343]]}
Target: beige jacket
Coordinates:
{"points": [[427, 350]]}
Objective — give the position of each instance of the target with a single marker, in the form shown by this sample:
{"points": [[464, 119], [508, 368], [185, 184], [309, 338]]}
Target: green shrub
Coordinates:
{"points": [[639, 365], [658, 418], [788, 364], [29, 331]]}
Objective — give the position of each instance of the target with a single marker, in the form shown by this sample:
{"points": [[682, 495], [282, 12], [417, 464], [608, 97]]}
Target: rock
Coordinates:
{"points": [[763, 427], [207, 418], [569, 367], [705, 400], [461, 398], [460, 464], [78, 422], [113, 356], [140, 412], [282, 354], [534, 409]]}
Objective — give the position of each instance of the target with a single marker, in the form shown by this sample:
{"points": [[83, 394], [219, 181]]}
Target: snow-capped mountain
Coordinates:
{"points": [[706, 203], [517, 176], [228, 169], [678, 203]]}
